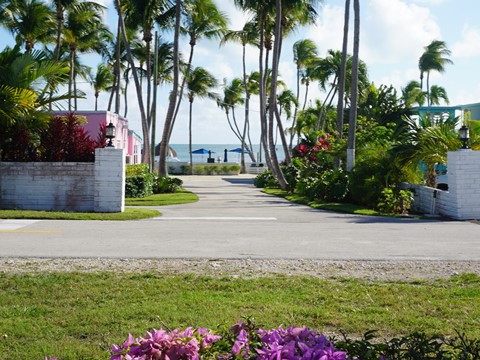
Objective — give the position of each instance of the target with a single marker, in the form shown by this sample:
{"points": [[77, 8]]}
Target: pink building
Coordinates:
{"points": [[124, 138]]}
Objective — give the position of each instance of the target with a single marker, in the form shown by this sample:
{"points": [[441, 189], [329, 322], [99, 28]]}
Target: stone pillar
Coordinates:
{"points": [[109, 180], [463, 184]]}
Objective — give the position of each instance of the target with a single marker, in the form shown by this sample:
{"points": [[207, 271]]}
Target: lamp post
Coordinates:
{"points": [[110, 134], [464, 135]]}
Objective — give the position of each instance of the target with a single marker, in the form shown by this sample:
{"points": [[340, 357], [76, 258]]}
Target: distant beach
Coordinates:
{"points": [[218, 151]]}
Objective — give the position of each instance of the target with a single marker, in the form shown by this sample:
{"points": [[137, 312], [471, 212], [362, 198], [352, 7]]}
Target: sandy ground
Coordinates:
{"points": [[370, 270]]}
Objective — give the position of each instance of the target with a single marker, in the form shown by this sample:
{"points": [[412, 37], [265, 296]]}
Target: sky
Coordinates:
{"points": [[393, 36]]}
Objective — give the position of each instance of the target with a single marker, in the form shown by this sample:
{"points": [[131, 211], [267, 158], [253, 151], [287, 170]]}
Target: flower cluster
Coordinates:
{"points": [[241, 341], [296, 343], [309, 150], [159, 344]]}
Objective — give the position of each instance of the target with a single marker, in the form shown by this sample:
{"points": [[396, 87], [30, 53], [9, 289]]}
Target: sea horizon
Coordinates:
{"points": [[218, 151]]}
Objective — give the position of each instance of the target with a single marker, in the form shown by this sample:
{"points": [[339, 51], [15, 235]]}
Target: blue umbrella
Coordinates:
{"points": [[200, 151], [239, 150]]}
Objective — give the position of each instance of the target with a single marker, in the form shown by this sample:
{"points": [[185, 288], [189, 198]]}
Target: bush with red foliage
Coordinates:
{"points": [[66, 140]]}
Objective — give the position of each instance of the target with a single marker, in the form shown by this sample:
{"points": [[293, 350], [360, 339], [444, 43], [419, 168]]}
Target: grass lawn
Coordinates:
{"points": [[180, 197], [339, 207], [79, 315]]}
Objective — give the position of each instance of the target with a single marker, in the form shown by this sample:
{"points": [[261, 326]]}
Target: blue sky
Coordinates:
{"points": [[393, 35]]}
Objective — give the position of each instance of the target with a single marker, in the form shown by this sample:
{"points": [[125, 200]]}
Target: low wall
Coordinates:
{"points": [[73, 186], [462, 200]]}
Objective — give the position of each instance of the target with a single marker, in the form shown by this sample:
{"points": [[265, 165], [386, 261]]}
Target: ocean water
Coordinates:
{"points": [[218, 151]]}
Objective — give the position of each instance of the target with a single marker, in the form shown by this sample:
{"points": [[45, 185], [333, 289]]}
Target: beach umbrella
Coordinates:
{"points": [[239, 150], [200, 151]]}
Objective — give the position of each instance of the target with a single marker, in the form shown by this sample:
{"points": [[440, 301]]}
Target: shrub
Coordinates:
{"points": [[395, 201], [265, 180], [167, 185], [139, 181]]}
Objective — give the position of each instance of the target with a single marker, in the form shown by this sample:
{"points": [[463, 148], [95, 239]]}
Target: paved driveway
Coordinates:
{"points": [[233, 219]]}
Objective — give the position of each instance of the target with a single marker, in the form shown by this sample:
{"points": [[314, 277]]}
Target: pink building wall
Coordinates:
{"points": [[124, 139]]}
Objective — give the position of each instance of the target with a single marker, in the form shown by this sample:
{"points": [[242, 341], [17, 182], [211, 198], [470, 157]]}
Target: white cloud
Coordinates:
{"points": [[396, 30], [469, 45]]}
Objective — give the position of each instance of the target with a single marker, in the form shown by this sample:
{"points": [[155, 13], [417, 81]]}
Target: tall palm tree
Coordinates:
{"points": [[199, 85], [304, 51], [84, 31], [247, 36], [102, 81], [60, 7], [31, 21], [352, 124], [434, 58], [232, 97], [202, 20], [168, 124], [341, 78]]}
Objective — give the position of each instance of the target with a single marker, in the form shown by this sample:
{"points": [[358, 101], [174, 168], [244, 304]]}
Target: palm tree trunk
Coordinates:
{"points": [[273, 96], [167, 127], [341, 79], [146, 142], [190, 136], [353, 105], [117, 72], [283, 138], [70, 78]]}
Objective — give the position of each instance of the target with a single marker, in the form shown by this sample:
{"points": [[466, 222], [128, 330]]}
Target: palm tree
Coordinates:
{"points": [[84, 31], [352, 125], [60, 7], [434, 58], [102, 81], [168, 124], [437, 93], [341, 79], [247, 36], [30, 21], [413, 94], [304, 51], [199, 84], [202, 20], [232, 96]]}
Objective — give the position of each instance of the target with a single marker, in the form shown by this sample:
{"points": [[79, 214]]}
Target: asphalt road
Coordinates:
{"points": [[233, 219]]}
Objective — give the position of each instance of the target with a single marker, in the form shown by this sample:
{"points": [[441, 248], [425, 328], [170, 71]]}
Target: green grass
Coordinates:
{"points": [[180, 197], [78, 316], [339, 207], [128, 214]]}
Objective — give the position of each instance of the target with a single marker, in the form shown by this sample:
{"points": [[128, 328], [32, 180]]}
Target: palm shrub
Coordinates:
{"points": [[375, 170]]}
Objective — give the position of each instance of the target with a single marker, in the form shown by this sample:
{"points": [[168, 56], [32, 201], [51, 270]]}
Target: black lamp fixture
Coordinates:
{"points": [[110, 133], [464, 135]]}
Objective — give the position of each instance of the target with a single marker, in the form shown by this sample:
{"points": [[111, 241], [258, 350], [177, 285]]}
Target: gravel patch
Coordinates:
{"points": [[369, 270]]}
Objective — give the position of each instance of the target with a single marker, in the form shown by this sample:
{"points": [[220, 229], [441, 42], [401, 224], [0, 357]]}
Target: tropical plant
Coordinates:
{"points": [[352, 124], [425, 143], [304, 52], [31, 21], [434, 58], [247, 36], [84, 31], [102, 81], [199, 85]]}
